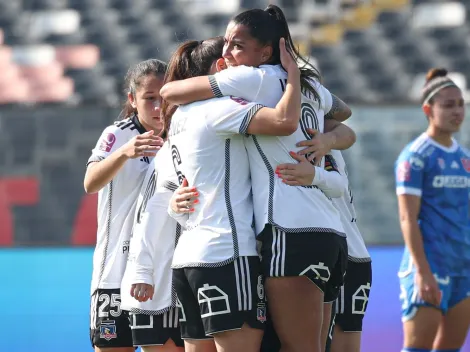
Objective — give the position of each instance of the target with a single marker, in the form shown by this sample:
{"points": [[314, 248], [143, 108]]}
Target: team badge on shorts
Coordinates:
{"points": [[108, 330], [261, 312]]}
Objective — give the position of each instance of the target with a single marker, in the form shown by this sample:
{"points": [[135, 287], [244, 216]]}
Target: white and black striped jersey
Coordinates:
{"points": [[153, 239], [116, 205], [207, 147], [291, 209], [357, 250]]}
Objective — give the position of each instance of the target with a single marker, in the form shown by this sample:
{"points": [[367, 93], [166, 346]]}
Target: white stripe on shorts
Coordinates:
{"points": [[243, 283], [278, 249], [94, 301]]}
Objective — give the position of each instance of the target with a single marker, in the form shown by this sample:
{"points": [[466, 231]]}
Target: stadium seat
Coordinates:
{"points": [[360, 17], [445, 14], [384, 35]]}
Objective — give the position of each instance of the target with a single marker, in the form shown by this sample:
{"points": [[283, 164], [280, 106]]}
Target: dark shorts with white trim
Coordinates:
{"points": [[350, 307], [217, 299], [155, 329], [320, 256], [109, 325]]}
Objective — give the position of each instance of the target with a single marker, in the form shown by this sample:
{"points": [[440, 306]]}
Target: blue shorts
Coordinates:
{"points": [[454, 290]]}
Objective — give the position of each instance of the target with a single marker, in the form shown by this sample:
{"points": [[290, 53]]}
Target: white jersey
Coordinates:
{"points": [[291, 209], [357, 250], [116, 205], [153, 240], [207, 146]]}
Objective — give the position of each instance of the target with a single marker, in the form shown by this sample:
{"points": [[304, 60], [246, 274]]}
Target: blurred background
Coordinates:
{"points": [[62, 65]]}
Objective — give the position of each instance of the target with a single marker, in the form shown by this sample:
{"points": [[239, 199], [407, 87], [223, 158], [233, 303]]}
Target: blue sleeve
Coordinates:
{"points": [[409, 173]]}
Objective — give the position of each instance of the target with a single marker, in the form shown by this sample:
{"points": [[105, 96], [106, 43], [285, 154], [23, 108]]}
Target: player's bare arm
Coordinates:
{"points": [[339, 111]]}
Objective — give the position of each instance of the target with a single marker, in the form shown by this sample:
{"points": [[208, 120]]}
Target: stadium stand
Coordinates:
{"points": [[367, 50]]}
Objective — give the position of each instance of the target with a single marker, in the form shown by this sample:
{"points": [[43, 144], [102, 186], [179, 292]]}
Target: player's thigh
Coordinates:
{"points": [[326, 324], [454, 326], [296, 308], [200, 345], [246, 339], [109, 325], [114, 349], [421, 329], [169, 346], [157, 330], [299, 267], [351, 304], [345, 341], [270, 342]]}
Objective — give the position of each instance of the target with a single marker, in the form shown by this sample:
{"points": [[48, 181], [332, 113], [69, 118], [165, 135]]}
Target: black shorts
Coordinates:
{"points": [[320, 256], [155, 330], [109, 325], [352, 301], [218, 299]]}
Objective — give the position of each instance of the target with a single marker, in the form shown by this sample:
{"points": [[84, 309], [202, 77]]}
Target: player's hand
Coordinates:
{"points": [[184, 198], [142, 292], [301, 174], [428, 288], [287, 60], [317, 147], [145, 144]]}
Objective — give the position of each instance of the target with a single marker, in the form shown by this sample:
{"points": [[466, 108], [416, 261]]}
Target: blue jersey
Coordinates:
{"points": [[441, 177]]}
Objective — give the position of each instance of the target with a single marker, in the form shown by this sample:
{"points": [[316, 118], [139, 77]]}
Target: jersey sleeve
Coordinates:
{"points": [[327, 98], [110, 140], [150, 229], [329, 179], [235, 117], [240, 81], [409, 174]]}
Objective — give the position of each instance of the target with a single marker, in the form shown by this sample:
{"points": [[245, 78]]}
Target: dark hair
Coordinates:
{"points": [[268, 26], [191, 59], [436, 79], [132, 80], [436, 72]]}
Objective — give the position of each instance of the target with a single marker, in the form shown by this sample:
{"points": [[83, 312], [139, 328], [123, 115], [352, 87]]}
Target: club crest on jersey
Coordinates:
{"points": [[239, 100], [403, 171], [466, 164], [107, 142], [108, 330]]}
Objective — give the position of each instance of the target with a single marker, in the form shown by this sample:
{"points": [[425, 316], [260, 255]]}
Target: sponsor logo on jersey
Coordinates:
{"points": [[125, 246], [450, 182], [108, 330], [466, 164], [239, 100], [416, 163], [107, 142], [403, 171], [441, 163]]}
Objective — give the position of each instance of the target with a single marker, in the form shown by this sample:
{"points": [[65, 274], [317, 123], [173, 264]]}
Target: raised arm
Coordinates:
{"points": [[111, 153], [187, 90]]}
